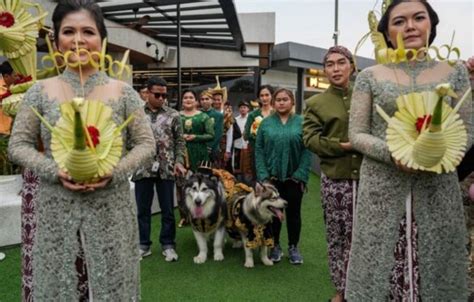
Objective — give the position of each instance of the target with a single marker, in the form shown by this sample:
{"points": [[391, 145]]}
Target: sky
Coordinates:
{"points": [[311, 22]]}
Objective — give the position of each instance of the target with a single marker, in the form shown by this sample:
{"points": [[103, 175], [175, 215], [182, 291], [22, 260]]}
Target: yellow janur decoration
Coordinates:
{"points": [[73, 145], [55, 61], [386, 55], [425, 133], [18, 32]]}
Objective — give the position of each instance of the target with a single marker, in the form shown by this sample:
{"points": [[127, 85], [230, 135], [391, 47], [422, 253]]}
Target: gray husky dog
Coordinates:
{"points": [[250, 215], [205, 207], [246, 214]]}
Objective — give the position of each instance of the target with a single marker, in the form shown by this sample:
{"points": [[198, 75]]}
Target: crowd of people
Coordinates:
{"points": [[393, 233]]}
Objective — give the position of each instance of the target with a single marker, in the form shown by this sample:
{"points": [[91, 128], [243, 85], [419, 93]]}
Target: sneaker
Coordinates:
{"points": [[294, 255], [276, 254], [145, 253], [170, 255]]}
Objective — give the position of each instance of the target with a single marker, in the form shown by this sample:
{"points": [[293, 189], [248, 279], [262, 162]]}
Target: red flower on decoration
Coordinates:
{"points": [[22, 79], [94, 134], [6, 19], [421, 120], [5, 95]]}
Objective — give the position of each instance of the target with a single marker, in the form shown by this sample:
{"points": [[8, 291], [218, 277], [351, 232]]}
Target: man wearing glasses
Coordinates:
{"points": [[168, 163]]}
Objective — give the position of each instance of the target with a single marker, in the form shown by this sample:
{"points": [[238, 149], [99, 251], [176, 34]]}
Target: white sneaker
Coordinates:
{"points": [[145, 253], [170, 255]]}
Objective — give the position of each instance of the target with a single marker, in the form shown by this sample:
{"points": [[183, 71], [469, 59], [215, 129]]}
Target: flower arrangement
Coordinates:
{"points": [[256, 123], [426, 133]]}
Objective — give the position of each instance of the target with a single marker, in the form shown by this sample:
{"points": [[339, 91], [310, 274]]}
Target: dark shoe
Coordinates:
{"points": [[294, 255], [275, 254]]}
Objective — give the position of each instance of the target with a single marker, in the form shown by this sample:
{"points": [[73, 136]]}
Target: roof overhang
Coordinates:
{"points": [[289, 56], [205, 24]]}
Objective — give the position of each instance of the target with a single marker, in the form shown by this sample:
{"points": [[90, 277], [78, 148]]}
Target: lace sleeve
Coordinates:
{"points": [[140, 134], [24, 138], [460, 81], [360, 121]]}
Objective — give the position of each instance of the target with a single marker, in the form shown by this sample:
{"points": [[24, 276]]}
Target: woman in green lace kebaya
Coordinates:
{"points": [[438, 270], [282, 159], [101, 213], [198, 129]]}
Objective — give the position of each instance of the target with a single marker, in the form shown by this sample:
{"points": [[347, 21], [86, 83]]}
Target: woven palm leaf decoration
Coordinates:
{"points": [[425, 133], [85, 141], [18, 32]]}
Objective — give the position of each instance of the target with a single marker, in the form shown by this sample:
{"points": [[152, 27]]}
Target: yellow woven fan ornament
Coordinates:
{"points": [[426, 133], [85, 141], [18, 32]]}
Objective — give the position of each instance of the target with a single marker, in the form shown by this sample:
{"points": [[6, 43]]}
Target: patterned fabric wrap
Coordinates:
{"points": [[29, 193], [400, 278], [340, 50], [337, 200]]}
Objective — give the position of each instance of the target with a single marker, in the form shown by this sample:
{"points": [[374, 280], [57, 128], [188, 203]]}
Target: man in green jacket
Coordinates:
{"points": [[325, 132]]}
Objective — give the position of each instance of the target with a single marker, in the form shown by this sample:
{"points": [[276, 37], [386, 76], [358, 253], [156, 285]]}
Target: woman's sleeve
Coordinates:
{"points": [[302, 173], [260, 163], [461, 85], [180, 143], [208, 128], [315, 141], [140, 134], [248, 124], [22, 147], [229, 139], [360, 121]]}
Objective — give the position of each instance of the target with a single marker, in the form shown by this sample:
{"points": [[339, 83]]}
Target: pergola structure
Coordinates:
{"points": [[180, 23], [205, 24]]}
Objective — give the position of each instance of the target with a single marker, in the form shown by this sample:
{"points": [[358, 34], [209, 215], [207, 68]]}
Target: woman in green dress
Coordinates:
{"points": [[282, 159], [198, 129], [254, 119]]}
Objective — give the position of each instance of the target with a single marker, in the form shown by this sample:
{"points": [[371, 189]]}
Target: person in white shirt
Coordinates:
{"points": [[240, 159]]}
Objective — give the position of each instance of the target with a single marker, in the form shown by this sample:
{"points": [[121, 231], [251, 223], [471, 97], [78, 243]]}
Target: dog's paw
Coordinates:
{"points": [[218, 256], [267, 261], [199, 259], [249, 263]]}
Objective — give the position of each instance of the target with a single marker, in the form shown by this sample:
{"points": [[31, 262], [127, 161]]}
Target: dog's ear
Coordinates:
{"points": [[189, 174], [259, 188], [221, 192]]}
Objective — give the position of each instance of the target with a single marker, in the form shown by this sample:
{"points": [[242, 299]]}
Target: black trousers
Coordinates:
{"points": [[293, 194]]}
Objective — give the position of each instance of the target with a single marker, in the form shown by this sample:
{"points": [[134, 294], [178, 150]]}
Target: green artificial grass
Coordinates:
{"points": [[228, 280]]}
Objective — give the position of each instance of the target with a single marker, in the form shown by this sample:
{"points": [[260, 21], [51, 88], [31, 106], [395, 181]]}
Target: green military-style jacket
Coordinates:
{"points": [[325, 126]]}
